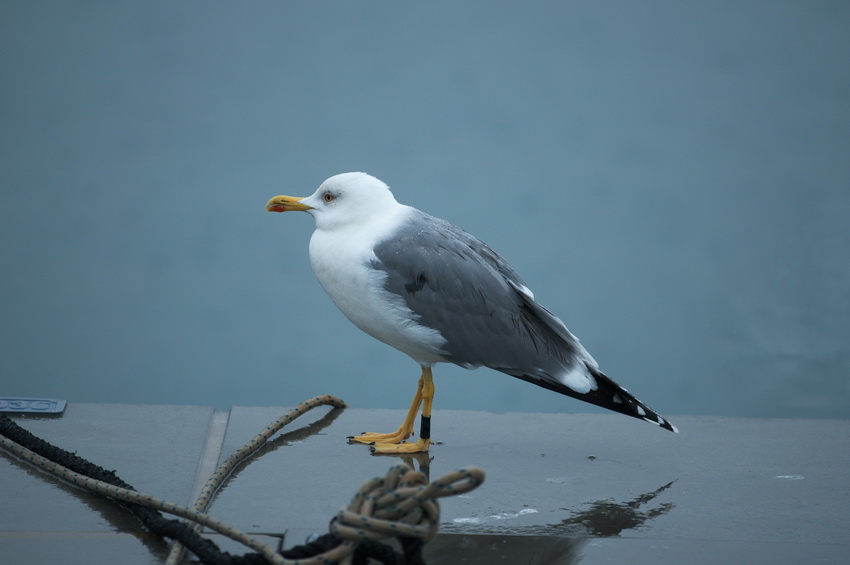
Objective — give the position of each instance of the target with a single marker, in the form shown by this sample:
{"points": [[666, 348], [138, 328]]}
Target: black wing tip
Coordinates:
{"points": [[662, 423], [624, 402], [608, 395]]}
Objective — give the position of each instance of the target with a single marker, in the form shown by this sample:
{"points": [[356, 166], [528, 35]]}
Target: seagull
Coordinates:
{"points": [[436, 293]]}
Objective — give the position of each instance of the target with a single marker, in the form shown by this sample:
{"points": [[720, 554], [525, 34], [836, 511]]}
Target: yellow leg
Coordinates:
{"points": [[394, 442], [402, 433], [424, 441]]}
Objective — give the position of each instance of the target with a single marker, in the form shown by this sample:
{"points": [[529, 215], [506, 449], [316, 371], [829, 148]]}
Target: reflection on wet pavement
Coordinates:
{"points": [[603, 518], [606, 518], [551, 544]]}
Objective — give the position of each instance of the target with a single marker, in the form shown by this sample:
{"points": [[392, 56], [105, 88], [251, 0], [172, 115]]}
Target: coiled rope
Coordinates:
{"points": [[402, 504]]}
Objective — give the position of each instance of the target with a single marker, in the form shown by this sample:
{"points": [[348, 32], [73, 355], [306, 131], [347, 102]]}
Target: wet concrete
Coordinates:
{"points": [[560, 488]]}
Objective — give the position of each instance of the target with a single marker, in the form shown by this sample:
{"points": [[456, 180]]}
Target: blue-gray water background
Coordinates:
{"points": [[671, 178]]}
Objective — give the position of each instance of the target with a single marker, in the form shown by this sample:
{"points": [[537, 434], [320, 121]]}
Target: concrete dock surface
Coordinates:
{"points": [[560, 488]]}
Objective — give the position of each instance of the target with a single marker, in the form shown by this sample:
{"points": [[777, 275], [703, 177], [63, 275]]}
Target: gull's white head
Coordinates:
{"points": [[345, 199]]}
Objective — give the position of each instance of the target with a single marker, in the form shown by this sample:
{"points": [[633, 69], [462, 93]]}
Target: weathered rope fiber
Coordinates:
{"points": [[400, 505], [218, 477]]}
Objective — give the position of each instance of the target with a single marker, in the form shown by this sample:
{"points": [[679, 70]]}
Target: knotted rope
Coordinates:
{"points": [[401, 504]]}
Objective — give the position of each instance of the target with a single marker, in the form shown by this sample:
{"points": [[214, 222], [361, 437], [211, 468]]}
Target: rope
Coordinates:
{"points": [[212, 485], [78, 471], [134, 497], [402, 504]]}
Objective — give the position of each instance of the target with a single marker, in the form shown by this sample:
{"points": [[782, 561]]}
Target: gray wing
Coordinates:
{"points": [[460, 287]]}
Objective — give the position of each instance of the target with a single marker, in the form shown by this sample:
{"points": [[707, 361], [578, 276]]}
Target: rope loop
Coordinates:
{"points": [[401, 504]]}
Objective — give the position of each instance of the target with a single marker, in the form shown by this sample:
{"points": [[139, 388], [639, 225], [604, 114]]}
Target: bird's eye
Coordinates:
{"points": [[328, 197]]}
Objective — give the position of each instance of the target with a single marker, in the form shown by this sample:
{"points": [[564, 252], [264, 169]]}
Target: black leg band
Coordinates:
{"points": [[425, 427]]}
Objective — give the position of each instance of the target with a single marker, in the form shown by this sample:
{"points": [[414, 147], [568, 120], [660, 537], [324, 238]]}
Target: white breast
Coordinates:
{"points": [[341, 259]]}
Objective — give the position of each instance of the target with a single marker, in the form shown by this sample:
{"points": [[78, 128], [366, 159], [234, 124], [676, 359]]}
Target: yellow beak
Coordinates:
{"points": [[286, 204]]}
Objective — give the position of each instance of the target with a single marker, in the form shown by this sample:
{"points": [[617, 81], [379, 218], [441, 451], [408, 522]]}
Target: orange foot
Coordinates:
{"points": [[369, 438], [420, 446]]}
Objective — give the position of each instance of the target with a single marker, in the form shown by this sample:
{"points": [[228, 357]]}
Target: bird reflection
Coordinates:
{"points": [[606, 518], [423, 460], [603, 518]]}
